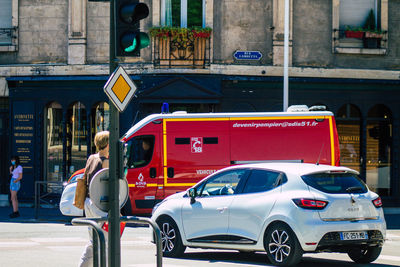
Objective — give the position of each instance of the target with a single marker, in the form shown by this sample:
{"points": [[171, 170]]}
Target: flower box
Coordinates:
{"points": [[354, 34], [373, 35]]}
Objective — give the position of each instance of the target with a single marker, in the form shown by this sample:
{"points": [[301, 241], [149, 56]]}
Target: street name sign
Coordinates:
{"points": [[247, 55], [120, 88]]}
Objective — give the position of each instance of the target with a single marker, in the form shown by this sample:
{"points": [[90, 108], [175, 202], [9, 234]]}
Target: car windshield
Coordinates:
{"points": [[335, 183]]}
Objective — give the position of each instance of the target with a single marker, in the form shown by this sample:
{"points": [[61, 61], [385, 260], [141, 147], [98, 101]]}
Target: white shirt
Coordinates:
{"points": [[16, 172]]}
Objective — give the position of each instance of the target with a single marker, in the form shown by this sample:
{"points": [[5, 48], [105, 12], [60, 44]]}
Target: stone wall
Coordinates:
{"points": [[239, 25], [98, 30], [42, 35]]}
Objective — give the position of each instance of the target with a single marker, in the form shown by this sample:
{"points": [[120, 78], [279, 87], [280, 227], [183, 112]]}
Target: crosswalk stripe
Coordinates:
{"points": [[14, 244]]}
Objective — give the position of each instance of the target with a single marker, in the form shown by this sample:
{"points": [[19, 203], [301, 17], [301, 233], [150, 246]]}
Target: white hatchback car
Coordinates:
{"points": [[285, 209]]}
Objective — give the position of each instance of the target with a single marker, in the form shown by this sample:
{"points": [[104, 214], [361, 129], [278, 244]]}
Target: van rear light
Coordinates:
{"points": [[377, 202], [311, 204]]}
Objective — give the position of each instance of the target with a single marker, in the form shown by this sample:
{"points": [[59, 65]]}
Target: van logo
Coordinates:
{"points": [[141, 178], [196, 144], [140, 183]]}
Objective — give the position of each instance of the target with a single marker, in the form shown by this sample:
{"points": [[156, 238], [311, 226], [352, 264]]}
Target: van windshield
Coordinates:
{"points": [[139, 151], [336, 183]]}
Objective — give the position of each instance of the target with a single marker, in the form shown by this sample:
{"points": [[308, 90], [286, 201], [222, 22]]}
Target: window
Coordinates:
{"points": [[360, 24], [8, 25], [100, 121], [5, 22], [379, 150], [348, 121], [76, 138], [225, 183], [139, 151], [54, 138], [335, 183], [262, 181], [183, 13]]}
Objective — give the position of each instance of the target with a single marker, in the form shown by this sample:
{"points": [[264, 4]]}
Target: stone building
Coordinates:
{"points": [[54, 63]]}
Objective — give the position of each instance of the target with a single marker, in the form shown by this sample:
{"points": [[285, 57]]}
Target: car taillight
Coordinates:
{"points": [[312, 204], [377, 202]]}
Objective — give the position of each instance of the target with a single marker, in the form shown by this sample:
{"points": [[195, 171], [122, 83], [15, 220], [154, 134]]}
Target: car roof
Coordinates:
{"points": [[299, 169]]}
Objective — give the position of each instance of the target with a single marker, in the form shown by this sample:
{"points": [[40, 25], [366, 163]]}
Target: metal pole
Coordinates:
{"points": [[100, 237], [286, 59], [114, 244]]}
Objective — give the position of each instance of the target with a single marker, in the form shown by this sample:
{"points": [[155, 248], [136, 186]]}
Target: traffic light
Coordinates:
{"points": [[129, 39]]}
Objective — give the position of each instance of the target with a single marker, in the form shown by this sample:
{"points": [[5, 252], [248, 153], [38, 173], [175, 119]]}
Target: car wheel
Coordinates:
{"points": [[364, 255], [171, 239], [282, 246]]}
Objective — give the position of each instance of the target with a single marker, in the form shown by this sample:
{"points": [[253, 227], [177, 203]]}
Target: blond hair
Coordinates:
{"points": [[101, 140]]}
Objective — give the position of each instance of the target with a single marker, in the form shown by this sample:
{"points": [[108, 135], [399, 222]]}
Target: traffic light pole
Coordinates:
{"points": [[114, 243]]}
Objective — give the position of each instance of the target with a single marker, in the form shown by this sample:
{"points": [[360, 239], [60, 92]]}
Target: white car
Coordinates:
{"points": [[285, 209]]}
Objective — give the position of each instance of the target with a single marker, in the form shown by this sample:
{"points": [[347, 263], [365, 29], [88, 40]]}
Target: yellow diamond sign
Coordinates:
{"points": [[120, 88]]}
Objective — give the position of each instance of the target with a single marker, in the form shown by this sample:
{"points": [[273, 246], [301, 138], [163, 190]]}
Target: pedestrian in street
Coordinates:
{"points": [[94, 163], [15, 184]]}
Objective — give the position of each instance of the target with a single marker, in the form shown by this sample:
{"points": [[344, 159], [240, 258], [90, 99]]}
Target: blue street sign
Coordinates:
{"points": [[247, 55]]}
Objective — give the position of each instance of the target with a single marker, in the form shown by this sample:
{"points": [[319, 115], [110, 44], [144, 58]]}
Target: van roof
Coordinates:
{"points": [[184, 115]]}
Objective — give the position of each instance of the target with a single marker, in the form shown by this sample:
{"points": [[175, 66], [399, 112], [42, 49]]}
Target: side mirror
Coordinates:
{"points": [[192, 193]]}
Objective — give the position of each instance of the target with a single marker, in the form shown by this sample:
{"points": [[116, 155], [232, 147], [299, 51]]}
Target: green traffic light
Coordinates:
{"points": [[132, 47], [133, 42]]}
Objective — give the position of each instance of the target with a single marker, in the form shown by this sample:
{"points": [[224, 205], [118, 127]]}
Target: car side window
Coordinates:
{"points": [[262, 181], [222, 184], [139, 151]]}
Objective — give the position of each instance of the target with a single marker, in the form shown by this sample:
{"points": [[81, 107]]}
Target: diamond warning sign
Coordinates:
{"points": [[120, 88]]}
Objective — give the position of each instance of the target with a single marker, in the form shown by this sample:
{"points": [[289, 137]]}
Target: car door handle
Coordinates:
{"points": [[222, 209]]}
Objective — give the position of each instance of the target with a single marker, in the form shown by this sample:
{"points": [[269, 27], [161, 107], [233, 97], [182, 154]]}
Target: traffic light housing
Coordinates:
{"points": [[129, 39]]}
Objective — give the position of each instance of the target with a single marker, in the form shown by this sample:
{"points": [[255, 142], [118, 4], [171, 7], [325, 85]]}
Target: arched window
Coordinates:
{"points": [[76, 138], [348, 120], [100, 121], [379, 148], [54, 144]]}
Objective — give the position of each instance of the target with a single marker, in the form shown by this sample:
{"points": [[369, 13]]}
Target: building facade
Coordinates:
{"points": [[54, 64]]}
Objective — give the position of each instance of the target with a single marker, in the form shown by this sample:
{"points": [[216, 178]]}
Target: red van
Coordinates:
{"points": [[167, 153]]}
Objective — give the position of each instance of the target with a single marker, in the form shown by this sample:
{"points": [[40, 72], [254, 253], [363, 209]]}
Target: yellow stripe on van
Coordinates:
{"points": [[332, 141], [147, 185]]}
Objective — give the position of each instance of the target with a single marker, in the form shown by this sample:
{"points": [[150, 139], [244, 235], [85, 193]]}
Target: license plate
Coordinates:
{"points": [[353, 235]]}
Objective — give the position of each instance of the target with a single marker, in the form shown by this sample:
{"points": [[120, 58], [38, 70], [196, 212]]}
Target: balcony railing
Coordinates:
{"points": [[192, 52], [6, 36], [362, 42]]}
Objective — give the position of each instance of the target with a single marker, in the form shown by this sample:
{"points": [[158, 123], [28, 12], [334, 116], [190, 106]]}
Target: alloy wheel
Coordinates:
{"points": [[279, 246], [168, 237]]}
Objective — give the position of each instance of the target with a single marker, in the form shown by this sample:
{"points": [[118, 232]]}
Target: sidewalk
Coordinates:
{"points": [[51, 214], [28, 214]]}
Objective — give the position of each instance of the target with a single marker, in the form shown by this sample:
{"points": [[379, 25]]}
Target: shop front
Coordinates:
{"points": [[53, 120]]}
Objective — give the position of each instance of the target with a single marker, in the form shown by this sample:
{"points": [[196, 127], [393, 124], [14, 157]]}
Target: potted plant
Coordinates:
{"points": [[373, 36], [183, 45]]}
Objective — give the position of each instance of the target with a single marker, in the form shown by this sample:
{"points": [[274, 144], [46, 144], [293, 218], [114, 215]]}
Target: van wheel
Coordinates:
{"points": [[364, 255], [282, 246], [127, 208], [171, 239]]}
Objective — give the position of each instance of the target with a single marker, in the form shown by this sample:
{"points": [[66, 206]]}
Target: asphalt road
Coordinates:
{"points": [[60, 245]]}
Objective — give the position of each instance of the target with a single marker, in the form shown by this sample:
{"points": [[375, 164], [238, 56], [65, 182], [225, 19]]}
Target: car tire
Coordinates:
{"points": [[171, 238], [364, 255], [282, 246]]}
